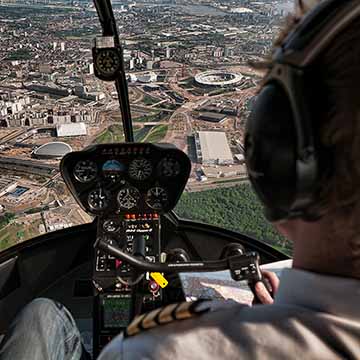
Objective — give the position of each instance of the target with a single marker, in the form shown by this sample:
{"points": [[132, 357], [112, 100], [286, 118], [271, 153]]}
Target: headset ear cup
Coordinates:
{"points": [[270, 149]]}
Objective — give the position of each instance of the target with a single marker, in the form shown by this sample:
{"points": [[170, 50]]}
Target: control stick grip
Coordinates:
{"points": [[139, 246], [267, 286]]}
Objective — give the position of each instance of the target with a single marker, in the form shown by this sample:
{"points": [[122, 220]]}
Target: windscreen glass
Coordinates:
{"points": [[190, 84]]}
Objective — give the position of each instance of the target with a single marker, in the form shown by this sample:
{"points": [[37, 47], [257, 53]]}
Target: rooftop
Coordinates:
{"points": [[214, 146]]}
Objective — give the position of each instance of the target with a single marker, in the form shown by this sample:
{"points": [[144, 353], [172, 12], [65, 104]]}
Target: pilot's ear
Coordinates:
{"points": [[303, 6]]}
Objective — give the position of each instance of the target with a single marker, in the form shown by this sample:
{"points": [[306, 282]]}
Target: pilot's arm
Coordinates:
{"points": [[143, 345], [306, 321], [171, 329]]}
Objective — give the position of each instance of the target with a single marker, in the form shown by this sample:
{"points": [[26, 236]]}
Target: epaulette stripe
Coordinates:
{"points": [[165, 316], [169, 313], [134, 328], [149, 320], [182, 311]]}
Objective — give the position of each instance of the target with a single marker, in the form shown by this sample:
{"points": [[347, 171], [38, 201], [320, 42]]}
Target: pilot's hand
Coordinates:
{"points": [[261, 290]]}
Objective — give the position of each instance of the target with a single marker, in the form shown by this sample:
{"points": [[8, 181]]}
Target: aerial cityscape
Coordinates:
{"points": [[190, 80]]}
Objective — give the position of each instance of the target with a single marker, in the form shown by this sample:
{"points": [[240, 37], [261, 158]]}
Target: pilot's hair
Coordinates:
{"points": [[338, 126]]}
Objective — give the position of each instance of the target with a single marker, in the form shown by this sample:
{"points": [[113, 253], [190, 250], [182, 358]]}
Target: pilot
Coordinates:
{"points": [[303, 157]]}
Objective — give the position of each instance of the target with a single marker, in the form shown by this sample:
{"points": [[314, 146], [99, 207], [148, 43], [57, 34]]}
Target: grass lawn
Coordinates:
{"points": [[112, 134], [157, 134]]}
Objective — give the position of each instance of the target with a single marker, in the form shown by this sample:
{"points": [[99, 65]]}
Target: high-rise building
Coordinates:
{"points": [[168, 53], [149, 64], [91, 68], [132, 64], [62, 46], [54, 45]]}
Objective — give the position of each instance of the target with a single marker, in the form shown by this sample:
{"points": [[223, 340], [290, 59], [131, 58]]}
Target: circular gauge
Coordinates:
{"points": [[140, 169], [113, 170], [85, 171], [169, 167], [128, 197], [157, 198], [107, 62], [98, 199], [111, 226]]}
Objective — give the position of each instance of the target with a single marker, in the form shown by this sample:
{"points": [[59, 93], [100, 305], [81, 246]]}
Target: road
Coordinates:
{"points": [[202, 186]]}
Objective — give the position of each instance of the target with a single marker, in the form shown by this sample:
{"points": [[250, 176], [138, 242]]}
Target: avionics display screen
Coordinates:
{"points": [[116, 311]]}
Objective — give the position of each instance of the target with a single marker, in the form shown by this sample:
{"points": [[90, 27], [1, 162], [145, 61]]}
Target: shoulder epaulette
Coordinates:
{"points": [[165, 315]]}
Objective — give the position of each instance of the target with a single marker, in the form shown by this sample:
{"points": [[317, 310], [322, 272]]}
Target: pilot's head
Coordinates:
{"points": [[303, 138]]}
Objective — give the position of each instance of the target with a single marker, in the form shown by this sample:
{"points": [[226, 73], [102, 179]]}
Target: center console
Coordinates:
{"points": [[122, 292]]}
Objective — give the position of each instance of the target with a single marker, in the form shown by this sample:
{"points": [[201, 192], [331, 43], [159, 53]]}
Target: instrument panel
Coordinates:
{"points": [[127, 177]]}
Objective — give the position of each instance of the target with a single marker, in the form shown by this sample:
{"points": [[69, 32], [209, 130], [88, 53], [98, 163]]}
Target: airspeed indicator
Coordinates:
{"points": [[85, 171]]}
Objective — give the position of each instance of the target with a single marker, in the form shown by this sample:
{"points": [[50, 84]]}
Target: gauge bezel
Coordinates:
{"points": [[119, 174], [138, 160], [167, 159], [107, 197], [137, 199], [111, 232], [162, 205], [86, 161], [102, 53]]}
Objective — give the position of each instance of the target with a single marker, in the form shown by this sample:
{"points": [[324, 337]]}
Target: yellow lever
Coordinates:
{"points": [[160, 280]]}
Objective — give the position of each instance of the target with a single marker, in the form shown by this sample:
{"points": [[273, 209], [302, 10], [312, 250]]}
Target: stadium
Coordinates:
{"points": [[52, 150], [219, 78]]}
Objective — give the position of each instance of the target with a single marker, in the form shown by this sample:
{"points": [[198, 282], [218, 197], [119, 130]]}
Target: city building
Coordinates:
{"points": [[212, 148], [168, 53], [211, 117], [132, 64], [28, 166], [6, 185], [72, 129], [91, 69]]}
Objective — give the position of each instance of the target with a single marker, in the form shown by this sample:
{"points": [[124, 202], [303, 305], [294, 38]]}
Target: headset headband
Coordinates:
{"points": [[291, 63], [316, 31]]}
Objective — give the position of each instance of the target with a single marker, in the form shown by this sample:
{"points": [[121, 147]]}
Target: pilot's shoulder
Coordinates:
{"points": [[167, 314]]}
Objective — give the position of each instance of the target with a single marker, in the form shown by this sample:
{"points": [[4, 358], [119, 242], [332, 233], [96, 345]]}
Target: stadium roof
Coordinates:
{"points": [[214, 146], [218, 78], [53, 150], [72, 129]]}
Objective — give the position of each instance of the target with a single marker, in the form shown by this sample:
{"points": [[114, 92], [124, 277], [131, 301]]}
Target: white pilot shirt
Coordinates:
{"points": [[313, 317]]}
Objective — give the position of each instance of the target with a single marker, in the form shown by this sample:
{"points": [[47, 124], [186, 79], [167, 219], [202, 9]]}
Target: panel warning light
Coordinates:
{"points": [[160, 280]]}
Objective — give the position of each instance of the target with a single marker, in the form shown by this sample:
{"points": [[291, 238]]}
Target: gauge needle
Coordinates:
{"points": [[100, 195]]}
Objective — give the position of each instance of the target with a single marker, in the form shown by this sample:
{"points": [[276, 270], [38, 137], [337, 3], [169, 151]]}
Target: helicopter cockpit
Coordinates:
{"points": [[130, 188], [127, 260]]}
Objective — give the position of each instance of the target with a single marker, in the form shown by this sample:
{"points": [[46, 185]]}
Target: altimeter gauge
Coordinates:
{"points": [[85, 171], [157, 198], [140, 169], [128, 197], [98, 199]]}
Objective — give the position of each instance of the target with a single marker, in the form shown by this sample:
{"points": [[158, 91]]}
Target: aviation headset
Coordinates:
{"points": [[281, 145]]}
